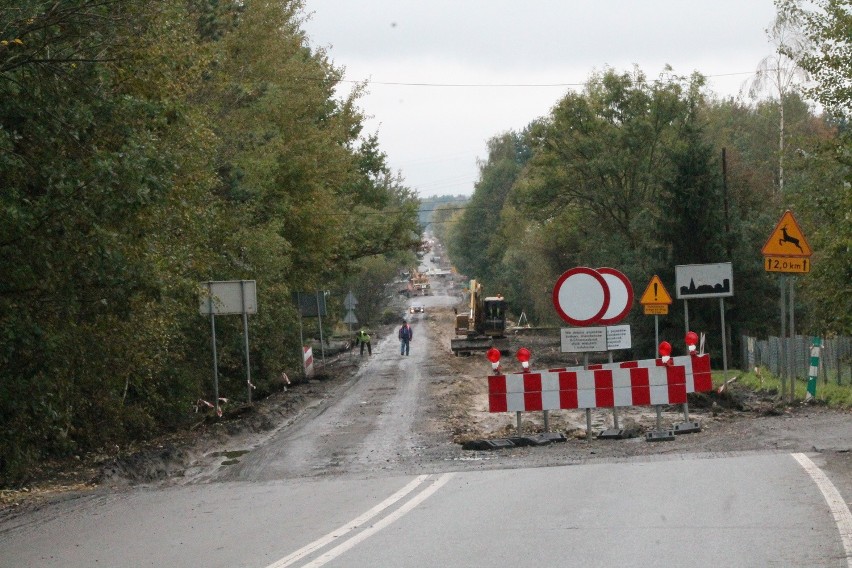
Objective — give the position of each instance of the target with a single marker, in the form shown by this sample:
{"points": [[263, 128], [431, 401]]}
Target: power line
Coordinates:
{"points": [[403, 84], [504, 85]]}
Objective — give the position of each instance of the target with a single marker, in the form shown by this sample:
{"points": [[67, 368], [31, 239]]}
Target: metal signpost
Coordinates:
{"points": [[787, 252], [706, 281], [594, 297], [222, 298], [319, 319], [311, 306], [349, 303], [656, 301]]}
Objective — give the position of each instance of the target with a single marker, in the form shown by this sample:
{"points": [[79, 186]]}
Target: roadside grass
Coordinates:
{"points": [[830, 393]]}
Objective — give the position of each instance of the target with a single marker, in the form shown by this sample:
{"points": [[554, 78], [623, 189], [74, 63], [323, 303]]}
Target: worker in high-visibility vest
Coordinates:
{"points": [[364, 339]]}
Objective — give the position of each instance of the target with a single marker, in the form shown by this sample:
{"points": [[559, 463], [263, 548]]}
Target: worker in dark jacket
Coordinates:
{"points": [[364, 339], [405, 336]]}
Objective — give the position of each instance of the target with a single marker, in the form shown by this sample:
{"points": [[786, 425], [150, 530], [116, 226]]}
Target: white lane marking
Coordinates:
{"points": [[368, 532], [842, 515], [350, 526]]}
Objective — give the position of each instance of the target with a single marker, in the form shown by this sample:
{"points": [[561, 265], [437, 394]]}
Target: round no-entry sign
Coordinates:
{"points": [[581, 296], [620, 296], [584, 296]]}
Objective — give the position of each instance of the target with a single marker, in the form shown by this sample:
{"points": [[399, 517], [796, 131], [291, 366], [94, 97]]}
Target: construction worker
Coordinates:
{"points": [[364, 339]]}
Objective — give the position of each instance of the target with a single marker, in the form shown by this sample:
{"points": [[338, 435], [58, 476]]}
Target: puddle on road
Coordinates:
{"points": [[232, 456], [471, 458]]}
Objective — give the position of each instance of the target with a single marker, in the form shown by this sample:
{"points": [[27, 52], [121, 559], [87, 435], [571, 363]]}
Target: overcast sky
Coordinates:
{"points": [[447, 75]]}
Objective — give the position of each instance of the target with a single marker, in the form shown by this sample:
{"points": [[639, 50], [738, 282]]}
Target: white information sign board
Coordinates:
{"points": [[228, 297], [583, 339], [704, 281], [596, 338], [618, 337]]}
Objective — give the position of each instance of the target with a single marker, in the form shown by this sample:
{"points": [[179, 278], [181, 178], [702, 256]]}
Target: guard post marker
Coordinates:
{"points": [[813, 369]]}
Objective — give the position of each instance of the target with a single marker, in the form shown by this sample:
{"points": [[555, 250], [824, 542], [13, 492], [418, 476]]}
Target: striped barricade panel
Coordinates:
{"points": [[308, 361], [702, 381], [634, 383], [497, 394], [698, 377]]}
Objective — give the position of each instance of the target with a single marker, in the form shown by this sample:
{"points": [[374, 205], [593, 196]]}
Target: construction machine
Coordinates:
{"points": [[483, 326], [419, 283]]}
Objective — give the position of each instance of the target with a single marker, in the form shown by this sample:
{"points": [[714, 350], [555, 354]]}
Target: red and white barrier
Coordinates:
{"points": [[631, 383], [308, 359]]}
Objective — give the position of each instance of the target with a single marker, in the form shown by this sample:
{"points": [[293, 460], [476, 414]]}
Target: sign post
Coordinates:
{"points": [[249, 386], [319, 319], [585, 297], [656, 301], [311, 306], [787, 252], [222, 298], [349, 303], [706, 281]]}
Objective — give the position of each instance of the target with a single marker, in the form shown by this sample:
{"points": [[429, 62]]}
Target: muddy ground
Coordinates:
{"points": [[736, 421]]}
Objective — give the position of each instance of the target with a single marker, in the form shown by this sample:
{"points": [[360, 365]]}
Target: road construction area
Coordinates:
{"points": [[363, 415]]}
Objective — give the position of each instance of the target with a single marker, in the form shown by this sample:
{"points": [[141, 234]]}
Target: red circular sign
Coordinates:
{"points": [[620, 296], [581, 296]]}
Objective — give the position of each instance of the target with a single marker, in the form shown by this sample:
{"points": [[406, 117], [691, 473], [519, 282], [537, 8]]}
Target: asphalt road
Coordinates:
{"points": [[348, 486], [673, 512]]}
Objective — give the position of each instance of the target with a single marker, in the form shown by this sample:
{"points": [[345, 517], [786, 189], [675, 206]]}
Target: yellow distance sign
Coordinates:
{"points": [[787, 264], [656, 309]]}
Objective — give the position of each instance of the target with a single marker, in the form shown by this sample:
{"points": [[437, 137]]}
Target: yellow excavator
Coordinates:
{"points": [[483, 326]]}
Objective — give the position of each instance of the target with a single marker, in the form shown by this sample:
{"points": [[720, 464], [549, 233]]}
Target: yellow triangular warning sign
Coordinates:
{"points": [[655, 293], [787, 239]]}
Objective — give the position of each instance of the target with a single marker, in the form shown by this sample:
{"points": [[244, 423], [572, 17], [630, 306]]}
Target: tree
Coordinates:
{"points": [[827, 24], [689, 220], [369, 285], [145, 147], [602, 152], [92, 158], [828, 55], [475, 246], [781, 73]]}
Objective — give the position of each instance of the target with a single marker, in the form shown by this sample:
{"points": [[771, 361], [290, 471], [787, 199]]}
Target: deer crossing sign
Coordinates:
{"points": [[787, 239]]}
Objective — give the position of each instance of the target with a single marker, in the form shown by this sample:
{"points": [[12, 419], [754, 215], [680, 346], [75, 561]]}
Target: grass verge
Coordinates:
{"points": [[761, 380]]}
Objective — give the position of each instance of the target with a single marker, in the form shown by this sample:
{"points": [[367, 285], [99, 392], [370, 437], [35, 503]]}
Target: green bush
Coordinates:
{"points": [[391, 316]]}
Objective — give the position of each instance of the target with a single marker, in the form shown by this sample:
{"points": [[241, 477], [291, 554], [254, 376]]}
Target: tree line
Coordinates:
{"points": [[645, 173], [149, 146]]}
